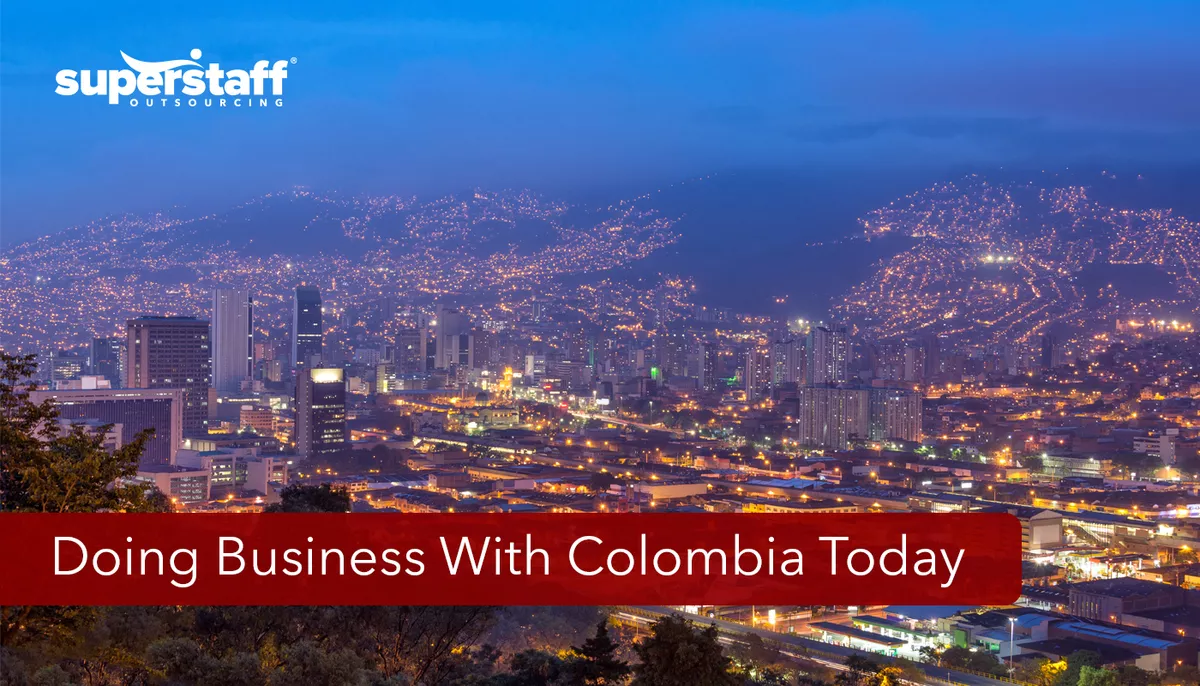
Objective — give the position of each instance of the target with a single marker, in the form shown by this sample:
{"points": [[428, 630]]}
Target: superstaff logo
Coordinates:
{"points": [[179, 83]]}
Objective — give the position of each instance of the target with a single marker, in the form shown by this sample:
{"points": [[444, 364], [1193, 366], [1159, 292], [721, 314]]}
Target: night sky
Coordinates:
{"points": [[434, 97]]}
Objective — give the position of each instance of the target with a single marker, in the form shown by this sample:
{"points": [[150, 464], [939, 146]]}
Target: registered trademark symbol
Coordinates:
{"points": [[294, 60]]}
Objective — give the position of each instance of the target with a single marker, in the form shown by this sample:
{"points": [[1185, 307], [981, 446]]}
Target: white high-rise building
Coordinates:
{"points": [[233, 339]]}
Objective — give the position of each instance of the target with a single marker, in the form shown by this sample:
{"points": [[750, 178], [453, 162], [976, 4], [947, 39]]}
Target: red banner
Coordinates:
{"points": [[509, 559]]}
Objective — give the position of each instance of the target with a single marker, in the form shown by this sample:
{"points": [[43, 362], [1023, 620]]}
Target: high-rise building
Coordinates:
{"points": [[757, 370], [710, 368], [452, 330], [914, 362], [134, 410], [307, 334], [172, 352], [408, 351], [787, 362], [828, 355], [830, 417], [320, 412], [887, 360], [232, 339], [64, 366], [108, 360], [895, 414], [672, 352]]}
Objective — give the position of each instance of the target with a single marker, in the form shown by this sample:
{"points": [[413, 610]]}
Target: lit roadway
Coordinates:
{"points": [[644, 472], [626, 422], [827, 654]]}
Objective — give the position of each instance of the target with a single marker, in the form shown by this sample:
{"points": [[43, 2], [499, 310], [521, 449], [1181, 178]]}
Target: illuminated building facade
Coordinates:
{"points": [[320, 412]]}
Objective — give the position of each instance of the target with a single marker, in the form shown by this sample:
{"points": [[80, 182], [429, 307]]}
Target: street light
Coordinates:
{"points": [[1012, 631]]}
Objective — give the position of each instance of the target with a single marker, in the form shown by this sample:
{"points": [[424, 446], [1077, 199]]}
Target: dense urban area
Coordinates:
{"points": [[492, 353]]}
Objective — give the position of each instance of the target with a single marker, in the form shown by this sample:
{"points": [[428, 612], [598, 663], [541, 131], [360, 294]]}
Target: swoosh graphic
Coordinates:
{"points": [[156, 67]]}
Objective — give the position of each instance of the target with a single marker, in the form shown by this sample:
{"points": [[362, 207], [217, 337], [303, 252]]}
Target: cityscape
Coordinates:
{"points": [[494, 353], [472, 311]]}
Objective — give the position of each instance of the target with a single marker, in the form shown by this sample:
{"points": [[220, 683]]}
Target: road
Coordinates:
{"points": [[628, 422]]}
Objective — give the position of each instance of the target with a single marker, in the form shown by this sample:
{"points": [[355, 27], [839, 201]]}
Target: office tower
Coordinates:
{"points": [[232, 339], [485, 349], [408, 356], [307, 334], [535, 366], [63, 366], [320, 412], [452, 331], [757, 370], [828, 355], [895, 414], [830, 417], [108, 360], [172, 352], [134, 410]]}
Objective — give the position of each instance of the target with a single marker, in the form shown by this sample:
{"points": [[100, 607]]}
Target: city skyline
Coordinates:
{"points": [[925, 274]]}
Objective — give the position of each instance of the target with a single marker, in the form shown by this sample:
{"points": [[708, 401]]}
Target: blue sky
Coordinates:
{"points": [[439, 96]]}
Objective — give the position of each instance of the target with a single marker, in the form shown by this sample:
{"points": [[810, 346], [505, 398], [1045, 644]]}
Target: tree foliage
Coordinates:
{"points": [[308, 498], [595, 663], [679, 654], [46, 469]]}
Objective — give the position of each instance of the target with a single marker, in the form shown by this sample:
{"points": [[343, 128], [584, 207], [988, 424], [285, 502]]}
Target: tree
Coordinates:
{"points": [[1076, 661], [859, 672], [1039, 672], [183, 661], [1182, 675], [425, 644], [595, 662], [43, 469], [307, 664], [1132, 675], [972, 660], [532, 668], [601, 481], [678, 654], [1097, 676], [305, 498]]}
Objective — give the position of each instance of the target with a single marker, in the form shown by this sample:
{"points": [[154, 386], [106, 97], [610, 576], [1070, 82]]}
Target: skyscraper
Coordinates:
{"points": [[828, 355], [172, 352], [108, 360], [320, 412], [233, 338], [307, 334], [453, 333]]}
